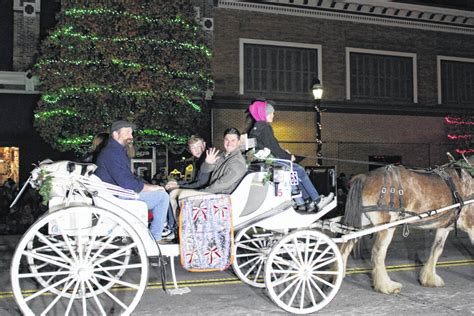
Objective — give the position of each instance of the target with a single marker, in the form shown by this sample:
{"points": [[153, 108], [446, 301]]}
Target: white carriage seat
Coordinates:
{"points": [[250, 189], [109, 201]]}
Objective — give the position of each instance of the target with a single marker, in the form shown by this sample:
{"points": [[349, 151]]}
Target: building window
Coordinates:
{"points": [[374, 75], [278, 67], [455, 80]]}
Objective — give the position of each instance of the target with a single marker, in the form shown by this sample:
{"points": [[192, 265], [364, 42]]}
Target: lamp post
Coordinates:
{"points": [[317, 89]]}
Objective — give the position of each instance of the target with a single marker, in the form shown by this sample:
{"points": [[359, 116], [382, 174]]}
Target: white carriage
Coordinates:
{"points": [[89, 254]]}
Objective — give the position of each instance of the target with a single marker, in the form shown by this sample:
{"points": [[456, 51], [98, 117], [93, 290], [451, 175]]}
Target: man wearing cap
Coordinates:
{"points": [[113, 166]]}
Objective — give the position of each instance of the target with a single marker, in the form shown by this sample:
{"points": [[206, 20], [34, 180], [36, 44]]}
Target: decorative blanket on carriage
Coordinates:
{"points": [[206, 233]]}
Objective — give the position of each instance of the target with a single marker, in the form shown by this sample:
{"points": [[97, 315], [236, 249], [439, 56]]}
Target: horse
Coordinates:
{"points": [[392, 192]]}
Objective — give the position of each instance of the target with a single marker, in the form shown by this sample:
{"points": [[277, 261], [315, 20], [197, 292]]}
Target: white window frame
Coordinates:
{"points": [[243, 41], [350, 50], [439, 58]]}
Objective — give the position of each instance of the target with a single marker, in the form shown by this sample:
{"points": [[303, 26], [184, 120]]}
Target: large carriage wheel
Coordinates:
{"points": [[252, 246], [82, 268], [304, 271], [38, 266]]}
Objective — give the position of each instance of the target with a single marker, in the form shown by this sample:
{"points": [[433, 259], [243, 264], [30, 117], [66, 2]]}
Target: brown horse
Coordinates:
{"points": [[408, 192]]}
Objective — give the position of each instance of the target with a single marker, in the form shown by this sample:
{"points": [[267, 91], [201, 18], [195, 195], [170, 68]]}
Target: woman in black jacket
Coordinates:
{"points": [[262, 113]]}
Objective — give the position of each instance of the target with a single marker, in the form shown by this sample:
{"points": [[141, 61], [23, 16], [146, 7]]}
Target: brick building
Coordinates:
{"points": [[390, 73]]}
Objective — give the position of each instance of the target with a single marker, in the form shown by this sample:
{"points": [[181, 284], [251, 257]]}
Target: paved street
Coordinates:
{"points": [[218, 292]]}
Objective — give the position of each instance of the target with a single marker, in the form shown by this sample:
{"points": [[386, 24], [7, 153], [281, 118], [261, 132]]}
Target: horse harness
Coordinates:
{"points": [[390, 173]]}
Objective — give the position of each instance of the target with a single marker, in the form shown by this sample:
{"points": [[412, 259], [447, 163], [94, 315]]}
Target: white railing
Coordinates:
{"points": [[18, 82]]}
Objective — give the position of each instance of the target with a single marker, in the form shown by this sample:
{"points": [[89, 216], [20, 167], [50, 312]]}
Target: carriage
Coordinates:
{"points": [[90, 253]]}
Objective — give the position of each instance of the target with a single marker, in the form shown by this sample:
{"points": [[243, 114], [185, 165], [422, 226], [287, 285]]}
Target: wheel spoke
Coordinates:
{"points": [[46, 289], [128, 266], [297, 249], [58, 297], [55, 249], [107, 242], [248, 248], [71, 299], [252, 267], [285, 271], [284, 279], [248, 262], [114, 254], [45, 259], [292, 255], [107, 292], [127, 284], [102, 311], [322, 281], [244, 255], [325, 263], [321, 255], [40, 274], [292, 299], [92, 239], [289, 286], [313, 300], [317, 288], [84, 301], [259, 271], [315, 250]]}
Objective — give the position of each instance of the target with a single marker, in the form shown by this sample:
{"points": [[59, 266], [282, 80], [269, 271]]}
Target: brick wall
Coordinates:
{"points": [[26, 32], [419, 138]]}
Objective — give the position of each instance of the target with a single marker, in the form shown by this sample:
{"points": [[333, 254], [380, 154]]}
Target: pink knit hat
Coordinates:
{"points": [[259, 110]]}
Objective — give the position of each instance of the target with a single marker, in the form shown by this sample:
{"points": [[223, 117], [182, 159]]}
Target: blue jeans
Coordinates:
{"points": [[306, 186], [157, 202]]}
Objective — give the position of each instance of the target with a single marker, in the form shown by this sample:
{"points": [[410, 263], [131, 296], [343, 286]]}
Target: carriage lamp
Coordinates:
{"points": [[317, 89]]}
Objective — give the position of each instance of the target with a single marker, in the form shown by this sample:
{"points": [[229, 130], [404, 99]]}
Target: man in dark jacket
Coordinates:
{"points": [[113, 166]]}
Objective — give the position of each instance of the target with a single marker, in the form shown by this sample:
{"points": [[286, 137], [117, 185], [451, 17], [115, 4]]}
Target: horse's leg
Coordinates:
{"points": [[428, 276], [382, 282], [346, 249]]}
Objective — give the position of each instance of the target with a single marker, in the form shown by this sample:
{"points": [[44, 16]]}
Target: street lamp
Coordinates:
{"points": [[317, 89]]}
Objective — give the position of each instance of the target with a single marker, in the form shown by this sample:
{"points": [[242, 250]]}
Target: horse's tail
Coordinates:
{"points": [[353, 212]]}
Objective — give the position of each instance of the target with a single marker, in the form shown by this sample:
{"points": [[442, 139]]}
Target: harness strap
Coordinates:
{"points": [[455, 194]]}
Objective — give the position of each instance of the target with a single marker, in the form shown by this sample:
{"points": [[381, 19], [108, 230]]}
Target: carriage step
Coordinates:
{"points": [[178, 291]]}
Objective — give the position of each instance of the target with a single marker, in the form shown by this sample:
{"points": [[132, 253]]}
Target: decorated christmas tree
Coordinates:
{"points": [[142, 61]]}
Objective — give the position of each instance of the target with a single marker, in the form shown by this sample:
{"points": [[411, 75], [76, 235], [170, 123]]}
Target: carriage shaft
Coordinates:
{"points": [[406, 220]]}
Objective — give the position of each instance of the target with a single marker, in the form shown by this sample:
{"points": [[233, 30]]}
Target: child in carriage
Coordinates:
{"points": [[261, 113]]}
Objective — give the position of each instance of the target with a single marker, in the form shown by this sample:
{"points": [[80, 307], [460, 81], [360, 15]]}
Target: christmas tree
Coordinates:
{"points": [[142, 61]]}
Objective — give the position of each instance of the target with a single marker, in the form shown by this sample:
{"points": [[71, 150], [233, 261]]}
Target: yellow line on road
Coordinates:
{"points": [[235, 280]]}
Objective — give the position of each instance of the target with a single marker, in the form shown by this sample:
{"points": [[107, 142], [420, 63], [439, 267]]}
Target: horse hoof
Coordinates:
{"points": [[433, 281], [389, 288]]}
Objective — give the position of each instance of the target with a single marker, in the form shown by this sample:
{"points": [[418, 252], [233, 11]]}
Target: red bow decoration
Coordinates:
{"points": [[190, 255], [220, 210], [211, 253], [199, 211]]}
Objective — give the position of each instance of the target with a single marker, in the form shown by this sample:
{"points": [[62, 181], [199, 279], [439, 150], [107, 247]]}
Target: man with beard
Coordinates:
{"points": [[113, 166]]}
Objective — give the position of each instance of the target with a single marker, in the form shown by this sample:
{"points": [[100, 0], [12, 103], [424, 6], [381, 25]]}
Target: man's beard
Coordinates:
{"points": [[129, 141]]}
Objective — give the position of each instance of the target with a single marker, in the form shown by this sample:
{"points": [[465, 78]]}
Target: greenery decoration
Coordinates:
{"points": [[45, 181], [143, 61]]}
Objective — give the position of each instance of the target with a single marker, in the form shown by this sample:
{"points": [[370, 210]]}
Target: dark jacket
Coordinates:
{"points": [[265, 138], [113, 166], [199, 177]]}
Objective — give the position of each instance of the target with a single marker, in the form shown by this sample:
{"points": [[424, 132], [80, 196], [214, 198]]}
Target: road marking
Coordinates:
{"points": [[235, 280]]}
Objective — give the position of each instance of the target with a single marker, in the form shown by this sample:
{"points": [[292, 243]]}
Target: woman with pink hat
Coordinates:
{"points": [[262, 113]]}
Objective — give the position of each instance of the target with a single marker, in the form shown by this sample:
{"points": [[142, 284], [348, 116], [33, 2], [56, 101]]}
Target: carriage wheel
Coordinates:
{"points": [[37, 267], [304, 271], [86, 270], [252, 246]]}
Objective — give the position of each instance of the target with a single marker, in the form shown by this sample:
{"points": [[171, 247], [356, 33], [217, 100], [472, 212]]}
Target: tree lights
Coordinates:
{"points": [[142, 61]]}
